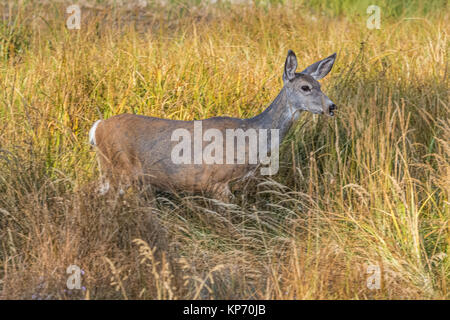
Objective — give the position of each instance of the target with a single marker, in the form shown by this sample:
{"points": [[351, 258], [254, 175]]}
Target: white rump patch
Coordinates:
{"points": [[92, 133]]}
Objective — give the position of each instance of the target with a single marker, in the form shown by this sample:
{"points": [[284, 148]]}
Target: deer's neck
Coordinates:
{"points": [[279, 115]]}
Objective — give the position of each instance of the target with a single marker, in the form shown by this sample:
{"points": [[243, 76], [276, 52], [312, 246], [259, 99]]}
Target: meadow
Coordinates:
{"points": [[361, 194]]}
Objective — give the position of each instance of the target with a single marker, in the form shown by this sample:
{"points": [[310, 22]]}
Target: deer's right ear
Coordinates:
{"points": [[290, 66], [321, 68]]}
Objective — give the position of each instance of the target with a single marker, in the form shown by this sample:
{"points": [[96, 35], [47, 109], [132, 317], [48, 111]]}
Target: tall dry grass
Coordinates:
{"points": [[367, 187]]}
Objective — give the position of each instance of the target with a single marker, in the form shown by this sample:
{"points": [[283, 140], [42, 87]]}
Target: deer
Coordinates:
{"points": [[139, 149]]}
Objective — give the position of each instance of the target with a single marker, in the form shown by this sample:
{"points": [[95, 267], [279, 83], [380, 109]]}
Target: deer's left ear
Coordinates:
{"points": [[290, 66], [321, 68]]}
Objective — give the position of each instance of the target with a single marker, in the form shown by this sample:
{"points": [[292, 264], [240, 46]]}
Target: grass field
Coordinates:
{"points": [[366, 189]]}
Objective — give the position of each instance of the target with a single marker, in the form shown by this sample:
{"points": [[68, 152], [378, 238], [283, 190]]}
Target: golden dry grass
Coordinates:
{"points": [[367, 187]]}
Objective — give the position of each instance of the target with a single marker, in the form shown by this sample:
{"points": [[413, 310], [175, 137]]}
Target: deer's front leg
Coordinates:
{"points": [[222, 192]]}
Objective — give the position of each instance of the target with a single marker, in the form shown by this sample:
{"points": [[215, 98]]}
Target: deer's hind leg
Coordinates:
{"points": [[107, 181], [117, 175]]}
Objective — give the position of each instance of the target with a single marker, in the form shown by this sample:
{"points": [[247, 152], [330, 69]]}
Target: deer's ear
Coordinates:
{"points": [[290, 66], [321, 68]]}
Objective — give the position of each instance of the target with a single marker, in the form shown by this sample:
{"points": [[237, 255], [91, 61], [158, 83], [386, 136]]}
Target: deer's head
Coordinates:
{"points": [[303, 89]]}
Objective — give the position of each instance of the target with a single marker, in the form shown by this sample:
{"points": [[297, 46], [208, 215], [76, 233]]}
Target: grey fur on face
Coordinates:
{"points": [[303, 90]]}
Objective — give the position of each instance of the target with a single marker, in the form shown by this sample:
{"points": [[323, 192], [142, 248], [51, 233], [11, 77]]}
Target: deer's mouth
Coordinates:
{"points": [[331, 109]]}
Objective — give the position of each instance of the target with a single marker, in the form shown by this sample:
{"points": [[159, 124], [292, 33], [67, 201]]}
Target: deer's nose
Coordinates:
{"points": [[331, 108]]}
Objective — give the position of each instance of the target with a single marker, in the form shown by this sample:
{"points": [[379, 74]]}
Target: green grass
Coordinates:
{"points": [[367, 187]]}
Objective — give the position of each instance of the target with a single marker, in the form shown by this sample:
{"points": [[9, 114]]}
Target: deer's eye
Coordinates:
{"points": [[306, 88]]}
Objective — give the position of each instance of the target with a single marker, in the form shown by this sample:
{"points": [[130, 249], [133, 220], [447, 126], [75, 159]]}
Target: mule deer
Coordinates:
{"points": [[134, 148]]}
